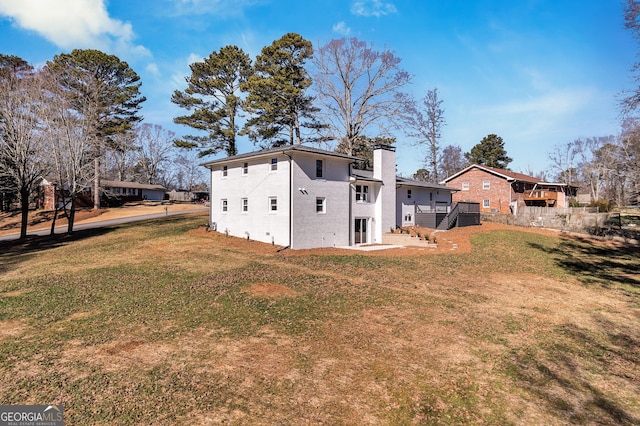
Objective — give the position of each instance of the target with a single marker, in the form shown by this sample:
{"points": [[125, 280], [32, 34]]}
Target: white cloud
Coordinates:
{"points": [[152, 68], [375, 8], [551, 105], [74, 24], [341, 28], [182, 71]]}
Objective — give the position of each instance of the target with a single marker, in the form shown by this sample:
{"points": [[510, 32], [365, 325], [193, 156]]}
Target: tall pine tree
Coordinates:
{"points": [[105, 91], [489, 152], [276, 96], [212, 96]]}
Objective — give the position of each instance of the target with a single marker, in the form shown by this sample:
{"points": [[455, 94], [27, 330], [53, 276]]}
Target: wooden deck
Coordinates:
{"points": [[541, 197]]}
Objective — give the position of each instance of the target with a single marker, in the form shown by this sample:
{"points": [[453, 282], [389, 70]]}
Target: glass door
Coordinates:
{"points": [[361, 231]]}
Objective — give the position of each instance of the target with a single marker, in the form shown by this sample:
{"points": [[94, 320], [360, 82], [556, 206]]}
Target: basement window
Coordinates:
{"points": [[486, 204]]}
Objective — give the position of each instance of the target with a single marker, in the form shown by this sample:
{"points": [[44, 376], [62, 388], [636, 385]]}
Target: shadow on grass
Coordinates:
{"points": [[564, 373], [14, 252], [596, 264]]}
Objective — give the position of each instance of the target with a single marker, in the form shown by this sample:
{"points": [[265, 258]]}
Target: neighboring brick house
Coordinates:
{"points": [[499, 190], [132, 191], [111, 190], [301, 197]]}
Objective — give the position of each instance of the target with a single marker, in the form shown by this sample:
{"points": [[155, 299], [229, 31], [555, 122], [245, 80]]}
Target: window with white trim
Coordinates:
{"points": [[486, 184], [245, 205], [274, 164], [408, 193], [319, 168], [224, 205], [486, 203], [225, 171], [273, 204], [465, 186], [362, 193], [321, 205], [245, 168]]}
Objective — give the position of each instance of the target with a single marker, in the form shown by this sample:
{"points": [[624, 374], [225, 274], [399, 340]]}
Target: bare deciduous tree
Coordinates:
{"points": [[22, 156], [424, 123], [154, 146], [72, 147], [120, 160], [452, 160], [563, 163], [630, 159], [631, 100], [358, 89], [189, 174]]}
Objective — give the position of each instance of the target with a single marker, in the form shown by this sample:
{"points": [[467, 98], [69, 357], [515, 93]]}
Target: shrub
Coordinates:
{"points": [[602, 205]]}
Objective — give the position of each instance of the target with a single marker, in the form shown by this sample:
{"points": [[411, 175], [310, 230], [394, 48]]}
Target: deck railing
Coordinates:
{"points": [[540, 194]]}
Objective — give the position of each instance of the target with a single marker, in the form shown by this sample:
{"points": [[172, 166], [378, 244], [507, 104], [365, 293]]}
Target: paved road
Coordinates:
{"points": [[102, 223]]}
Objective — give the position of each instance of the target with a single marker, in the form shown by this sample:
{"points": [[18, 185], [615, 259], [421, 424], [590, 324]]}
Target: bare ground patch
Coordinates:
{"points": [[270, 290], [12, 328]]}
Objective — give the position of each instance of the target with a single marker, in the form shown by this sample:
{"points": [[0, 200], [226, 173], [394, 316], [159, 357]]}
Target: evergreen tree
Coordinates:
{"points": [[212, 96], [105, 91], [489, 152], [276, 96]]}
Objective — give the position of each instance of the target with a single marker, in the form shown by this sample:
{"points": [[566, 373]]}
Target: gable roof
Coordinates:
{"points": [[400, 181], [367, 175], [279, 150], [135, 185], [505, 174]]}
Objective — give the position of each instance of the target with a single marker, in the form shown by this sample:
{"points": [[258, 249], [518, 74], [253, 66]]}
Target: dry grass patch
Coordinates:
{"points": [[270, 290], [12, 328]]}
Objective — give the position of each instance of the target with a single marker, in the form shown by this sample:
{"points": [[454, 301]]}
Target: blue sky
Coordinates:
{"points": [[538, 73]]}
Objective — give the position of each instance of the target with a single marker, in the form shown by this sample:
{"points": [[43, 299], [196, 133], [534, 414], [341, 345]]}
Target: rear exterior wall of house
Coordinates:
{"points": [[493, 193]]}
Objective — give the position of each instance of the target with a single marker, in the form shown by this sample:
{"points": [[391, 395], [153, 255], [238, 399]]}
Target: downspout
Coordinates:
{"points": [[210, 196], [512, 190], [290, 198], [350, 207]]}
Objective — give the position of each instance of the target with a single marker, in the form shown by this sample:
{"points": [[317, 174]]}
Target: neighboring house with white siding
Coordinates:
{"points": [[302, 197]]}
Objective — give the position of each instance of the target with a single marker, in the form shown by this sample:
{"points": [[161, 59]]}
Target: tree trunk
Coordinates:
{"points": [[96, 184], [72, 215], [24, 208], [53, 222]]}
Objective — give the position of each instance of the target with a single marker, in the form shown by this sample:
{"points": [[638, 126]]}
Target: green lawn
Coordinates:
{"points": [[164, 323]]}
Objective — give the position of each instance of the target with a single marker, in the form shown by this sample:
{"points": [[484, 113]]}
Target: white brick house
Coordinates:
{"points": [[302, 197]]}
